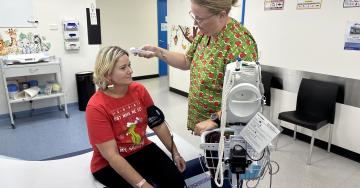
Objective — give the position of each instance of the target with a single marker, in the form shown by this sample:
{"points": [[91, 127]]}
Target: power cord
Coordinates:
{"points": [[219, 169], [269, 166], [172, 140]]}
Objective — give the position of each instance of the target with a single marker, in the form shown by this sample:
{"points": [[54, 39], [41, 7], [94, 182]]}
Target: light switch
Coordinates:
{"points": [[54, 27]]}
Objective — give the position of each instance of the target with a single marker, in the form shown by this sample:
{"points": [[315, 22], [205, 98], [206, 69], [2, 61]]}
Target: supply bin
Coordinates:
{"points": [[12, 90], [85, 88]]}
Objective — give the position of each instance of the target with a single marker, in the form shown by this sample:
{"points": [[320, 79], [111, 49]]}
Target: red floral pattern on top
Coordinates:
{"points": [[208, 62]]}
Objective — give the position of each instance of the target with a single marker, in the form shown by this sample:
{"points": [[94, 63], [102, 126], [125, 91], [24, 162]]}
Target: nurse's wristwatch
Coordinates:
{"points": [[215, 118]]}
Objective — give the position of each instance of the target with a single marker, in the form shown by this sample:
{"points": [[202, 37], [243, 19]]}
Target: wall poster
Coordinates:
{"points": [[181, 37], [351, 3], [273, 4], [352, 36], [308, 4]]}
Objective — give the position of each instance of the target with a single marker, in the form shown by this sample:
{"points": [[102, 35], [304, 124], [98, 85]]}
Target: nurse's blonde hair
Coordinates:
{"points": [[216, 6]]}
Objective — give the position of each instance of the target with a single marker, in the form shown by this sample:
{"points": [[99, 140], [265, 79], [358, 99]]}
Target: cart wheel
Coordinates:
{"points": [[67, 115], [13, 126]]}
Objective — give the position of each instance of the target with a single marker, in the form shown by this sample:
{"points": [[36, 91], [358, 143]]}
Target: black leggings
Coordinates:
{"points": [[152, 163]]}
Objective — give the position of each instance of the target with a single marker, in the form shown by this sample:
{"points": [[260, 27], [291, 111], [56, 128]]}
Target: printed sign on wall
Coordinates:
{"points": [[351, 3], [308, 4], [274, 5], [352, 36], [181, 37]]}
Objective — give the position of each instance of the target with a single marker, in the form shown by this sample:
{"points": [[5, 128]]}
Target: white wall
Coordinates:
{"points": [[54, 12], [178, 14], [313, 41], [236, 11], [131, 23], [307, 40]]}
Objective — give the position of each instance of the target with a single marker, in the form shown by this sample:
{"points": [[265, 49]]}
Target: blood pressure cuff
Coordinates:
{"points": [[155, 116]]}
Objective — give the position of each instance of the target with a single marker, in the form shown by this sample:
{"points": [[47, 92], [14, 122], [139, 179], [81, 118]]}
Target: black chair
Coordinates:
{"points": [[315, 108], [266, 78]]}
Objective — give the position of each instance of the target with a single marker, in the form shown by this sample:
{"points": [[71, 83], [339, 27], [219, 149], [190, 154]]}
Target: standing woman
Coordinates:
{"points": [[117, 116], [221, 40]]}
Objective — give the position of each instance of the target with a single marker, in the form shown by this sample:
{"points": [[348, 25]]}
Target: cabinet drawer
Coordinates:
{"points": [[31, 70]]}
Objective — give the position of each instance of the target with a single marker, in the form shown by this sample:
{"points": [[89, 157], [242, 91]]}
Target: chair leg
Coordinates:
{"points": [[270, 114], [330, 137], [295, 129], [278, 137], [311, 148]]}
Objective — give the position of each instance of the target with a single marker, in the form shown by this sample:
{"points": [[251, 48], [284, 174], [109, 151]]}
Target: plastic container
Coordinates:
{"points": [[23, 86], [12, 90], [33, 83], [56, 87]]}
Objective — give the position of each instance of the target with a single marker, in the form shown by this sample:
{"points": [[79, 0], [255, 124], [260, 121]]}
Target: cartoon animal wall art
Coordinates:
{"points": [[39, 45], [12, 47], [12, 33], [2, 47], [23, 43]]}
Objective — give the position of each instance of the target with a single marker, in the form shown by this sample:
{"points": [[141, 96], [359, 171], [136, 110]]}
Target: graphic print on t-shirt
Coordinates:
{"points": [[136, 138], [126, 111], [129, 119]]}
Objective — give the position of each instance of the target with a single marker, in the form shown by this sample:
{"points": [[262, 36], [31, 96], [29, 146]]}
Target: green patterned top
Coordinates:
{"points": [[208, 57]]}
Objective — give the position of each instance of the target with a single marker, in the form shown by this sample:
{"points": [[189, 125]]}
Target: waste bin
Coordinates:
{"points": [[85, 88]]}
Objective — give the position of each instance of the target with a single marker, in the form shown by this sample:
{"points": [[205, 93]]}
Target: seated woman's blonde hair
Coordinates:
{"points": [[105, 63]]}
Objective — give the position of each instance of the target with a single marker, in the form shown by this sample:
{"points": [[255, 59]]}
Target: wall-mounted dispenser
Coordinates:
{"points": [[72, 45], [71, 35], [71, 25]]}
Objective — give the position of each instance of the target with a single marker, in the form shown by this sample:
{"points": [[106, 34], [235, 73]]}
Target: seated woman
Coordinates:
{"points": [[117, 116]]}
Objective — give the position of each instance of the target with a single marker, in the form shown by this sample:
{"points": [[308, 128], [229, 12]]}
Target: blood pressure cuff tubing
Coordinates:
{"points": [[155, 116]]}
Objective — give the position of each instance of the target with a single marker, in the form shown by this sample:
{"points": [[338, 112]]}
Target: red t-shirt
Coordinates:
{"points": [[123, 119]]}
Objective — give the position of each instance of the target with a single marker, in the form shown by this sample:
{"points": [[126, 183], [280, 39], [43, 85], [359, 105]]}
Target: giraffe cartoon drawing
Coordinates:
{"points": [[12, 34], [2, 47], [12, 48]]}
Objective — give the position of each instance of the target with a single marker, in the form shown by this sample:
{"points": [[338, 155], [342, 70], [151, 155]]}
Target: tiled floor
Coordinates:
{"points": [[327, 170], [52, 135]]}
